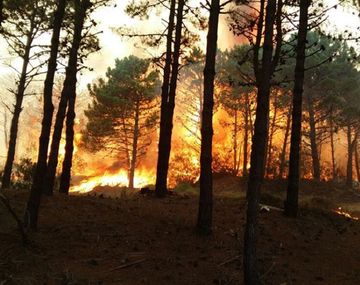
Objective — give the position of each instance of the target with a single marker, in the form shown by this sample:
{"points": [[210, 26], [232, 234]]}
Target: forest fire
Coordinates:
{"points": [[342, 212], [120, 178]]}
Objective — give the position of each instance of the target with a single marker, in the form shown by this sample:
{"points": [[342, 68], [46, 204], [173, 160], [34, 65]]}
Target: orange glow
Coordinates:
{"points": [[142, 178]]}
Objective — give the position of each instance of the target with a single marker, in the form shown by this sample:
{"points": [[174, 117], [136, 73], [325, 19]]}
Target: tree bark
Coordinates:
{"points": [[357, 166], [68, 90], [258, 149], [291, 203], [351, 142], [269, 165], [6, 178], [134, 148], [314, 147], [162, 165], [81, 7], [333, 163], [235, 141], [167, 109], [283, 150], [48, 109], [204, 221], [247, 118]]}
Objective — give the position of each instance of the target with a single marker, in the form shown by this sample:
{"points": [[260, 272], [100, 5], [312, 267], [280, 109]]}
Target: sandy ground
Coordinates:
{"points": [[138, 239]]}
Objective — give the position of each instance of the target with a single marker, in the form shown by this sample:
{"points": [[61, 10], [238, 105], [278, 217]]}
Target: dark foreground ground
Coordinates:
{"points": [[137, 239]]}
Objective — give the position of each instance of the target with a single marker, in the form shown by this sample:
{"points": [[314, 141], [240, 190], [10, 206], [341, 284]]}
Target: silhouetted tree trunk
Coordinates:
{"points": [[1, 11], [269, 165], [283, 149], [235, 144], [263, 73], [167, 109], [313, 144], [204, 221], [162, 163], [333, 163], [69, 90], [48, 109], [351, 142], [6, 178], [134, 148], [247, 118], [81, 7], [291, 203], [357, 166]]}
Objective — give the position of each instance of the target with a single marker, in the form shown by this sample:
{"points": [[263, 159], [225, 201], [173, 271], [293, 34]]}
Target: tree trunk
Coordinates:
{"points": [[69, 145], [269, 172], [162, 164], [314, 148], [204, 221], [166, 123], [235, 146], [263, 73], [333, 163], [134, 148], [357, 166], [6, 178], [349, 165], [48, 109], [258, 148], [68, 91], [283, 150], [291, 203], [6, 136], [81, 7], [247, 117]]}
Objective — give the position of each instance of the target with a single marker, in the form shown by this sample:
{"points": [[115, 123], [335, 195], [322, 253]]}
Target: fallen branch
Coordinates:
{"points": [[268, 208], [6, 203], [230, 260], [127, 265], [268, 271]]}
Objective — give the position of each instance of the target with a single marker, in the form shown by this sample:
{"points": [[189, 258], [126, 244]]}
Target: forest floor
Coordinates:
{"points": [[138, 239]]}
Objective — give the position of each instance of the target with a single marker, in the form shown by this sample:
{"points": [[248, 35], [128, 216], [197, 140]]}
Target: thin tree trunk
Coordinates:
{"points": [[349, 166], [48, 109], [246, 134], [162, 164], [6, 136], [68, 89], [314, 147], [167, 115], [204, 221], [6, 178], [283, 150], [258, 148], [69, 145], [333, 164], [81, 7], [291, 203], [134, 147], [269, 172], [263, 73], [1, 11], [357, 166], [235, 146]]}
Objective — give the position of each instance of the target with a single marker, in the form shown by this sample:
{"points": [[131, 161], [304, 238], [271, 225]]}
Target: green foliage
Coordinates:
{"points": [[124, 112]]}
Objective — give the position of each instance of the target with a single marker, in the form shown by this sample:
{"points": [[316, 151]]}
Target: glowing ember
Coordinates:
{"points": [[142, 178], [341, 212]]}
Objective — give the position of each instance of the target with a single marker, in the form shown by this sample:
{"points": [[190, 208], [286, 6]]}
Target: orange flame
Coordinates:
{"points": [[142, 178]]}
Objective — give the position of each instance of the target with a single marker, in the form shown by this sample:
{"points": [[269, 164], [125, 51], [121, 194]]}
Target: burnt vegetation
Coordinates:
{"points": [[202, 142]]}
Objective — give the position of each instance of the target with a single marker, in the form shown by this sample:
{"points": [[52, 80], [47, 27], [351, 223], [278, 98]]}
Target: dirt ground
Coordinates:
{"points": [[138, 239]]}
